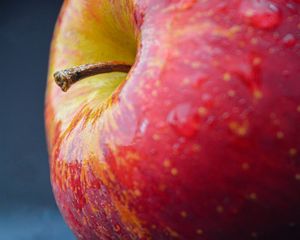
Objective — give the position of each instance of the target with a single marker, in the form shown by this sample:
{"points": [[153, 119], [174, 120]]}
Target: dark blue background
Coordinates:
{"points": [[27, 207]]}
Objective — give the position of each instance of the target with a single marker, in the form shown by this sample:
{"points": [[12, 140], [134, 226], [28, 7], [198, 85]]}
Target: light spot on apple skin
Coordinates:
{"points": [[254, 41], [239, 129], [196, 148], [293, 152], [245, 166], [297, 176], [156, 137], [133, 156], [186, 81], [257, 94], [153, 226], [167, 163], [84, 222], [183, 214], [155, 62], [226, 76], [195, 65], [162, 187], [187, 4], [253, 196], [202, 111], [256, 61], [172, 232], [199, 231], [154, 93], [298, 109], [150, 73], [231, 93], [280, 135], [233, 30], [220, 209], [175, 53], [174, 171], [137, 193]]}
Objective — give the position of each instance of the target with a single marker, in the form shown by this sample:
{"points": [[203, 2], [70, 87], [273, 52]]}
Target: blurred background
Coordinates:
{"points": [[27, 207]]}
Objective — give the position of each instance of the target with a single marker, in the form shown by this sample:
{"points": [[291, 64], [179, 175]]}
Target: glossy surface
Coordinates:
{"points": [[200, 142]]}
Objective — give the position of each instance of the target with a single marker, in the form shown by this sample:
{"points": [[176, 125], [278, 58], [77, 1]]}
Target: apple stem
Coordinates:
{"points": [[67, 77]]}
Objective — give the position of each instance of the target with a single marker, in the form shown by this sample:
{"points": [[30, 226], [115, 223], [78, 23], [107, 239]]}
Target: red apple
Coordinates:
{"points": [[200, 140]]}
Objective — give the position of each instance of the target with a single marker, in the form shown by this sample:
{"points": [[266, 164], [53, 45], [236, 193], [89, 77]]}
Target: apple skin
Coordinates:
{"points": [[201, 141]]}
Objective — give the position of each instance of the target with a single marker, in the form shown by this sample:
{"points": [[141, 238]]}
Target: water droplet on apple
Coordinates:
{"points": [[184, 120], [291, 7], [289, 40], [261, 14], [200, 80], [247, 70], [144, 126], [207, 100]]}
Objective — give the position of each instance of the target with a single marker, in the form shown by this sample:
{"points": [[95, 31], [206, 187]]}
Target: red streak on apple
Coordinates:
{"points": [[202, 140]]}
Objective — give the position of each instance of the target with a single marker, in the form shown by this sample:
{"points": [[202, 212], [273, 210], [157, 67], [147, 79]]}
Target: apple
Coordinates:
{"points": [[199, 140]]}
